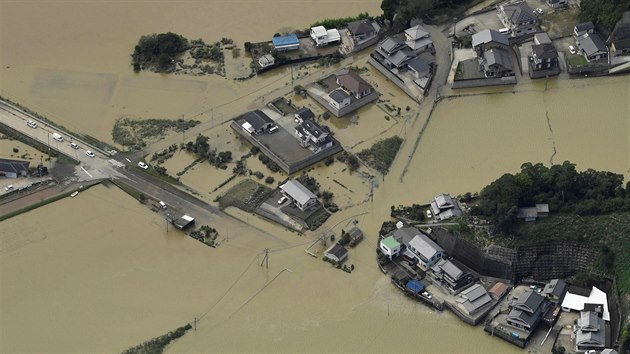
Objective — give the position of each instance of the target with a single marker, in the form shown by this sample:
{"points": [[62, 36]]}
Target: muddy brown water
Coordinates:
{"points": [[100, 273]]}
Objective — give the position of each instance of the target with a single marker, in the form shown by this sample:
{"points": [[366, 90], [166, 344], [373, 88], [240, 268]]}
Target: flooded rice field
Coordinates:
{"points": [[100, 272]]}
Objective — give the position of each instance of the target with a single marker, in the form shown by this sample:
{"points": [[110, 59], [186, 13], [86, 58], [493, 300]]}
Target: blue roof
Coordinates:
{"points": [[415, 285], [285, 40]]}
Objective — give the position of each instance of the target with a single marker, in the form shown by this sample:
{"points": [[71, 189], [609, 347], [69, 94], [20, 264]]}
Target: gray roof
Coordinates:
{"points": [[352, 81], [545, 51], [305, 113], [609, 351], [391, 45], [529, 301], [297, 191], [519, 12], [15, 166], [401, 57], [339, 95], [592, 43], [528, 212], [257, 119], [592, 330], [556, 287], [621, 33], [498, 57], [338, 251], [418, 65], [487, 36], [444, 201], [584, 26], [360, 27], [542, 38], [355, 233], [527, 318], [405, 235], [416, 32], [449, 268], [474, 297], [424, 246], [588, 321], [313, 129]]}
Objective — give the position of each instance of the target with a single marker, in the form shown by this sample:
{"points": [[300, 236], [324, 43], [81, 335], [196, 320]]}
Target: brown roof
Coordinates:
{"points": [[499, 289], [352, 81]]}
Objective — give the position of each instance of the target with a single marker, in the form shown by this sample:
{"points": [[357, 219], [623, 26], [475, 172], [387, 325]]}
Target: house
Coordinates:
{"points": [[496, 62], [425, 251], [544, 56], [473, 299], [619, 39], [498, 290], [444, 207], [284, 43], [337, 253], [609, 351], [362, 30], [533, 213], [256, 122], [313, 136], [582, 28], [303, 114], [390, 246], [592, 47], [184, 222], [299, 195], [575, 302], [542, 38], [555, 290], [323, 37], [353, 83], [489, 39], [447, 273], [526, 311], [266, 61], [13, 168], [355, 236], [518, 17], [590, 332], [556, 4], [400, 59], [339, 98], [418, 39], [390, 46], [419, 68]]}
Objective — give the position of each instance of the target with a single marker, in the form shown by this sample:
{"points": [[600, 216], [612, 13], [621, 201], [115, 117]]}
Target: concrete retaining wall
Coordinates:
{"points": [[509, 80], [347, 109], [393, 78]]}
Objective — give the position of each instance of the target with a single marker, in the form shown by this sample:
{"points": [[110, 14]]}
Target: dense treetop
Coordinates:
{"points": [[605, 12]]}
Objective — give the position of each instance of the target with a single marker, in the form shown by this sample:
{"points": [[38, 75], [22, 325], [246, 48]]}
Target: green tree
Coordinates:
{"points": [[389, 8]]}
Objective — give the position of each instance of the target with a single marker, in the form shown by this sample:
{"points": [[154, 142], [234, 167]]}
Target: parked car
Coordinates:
{"points": [[8, 188], [89, 153], [429, 214], [572, 49], [31, 124], [282, 200], [427, 295], [143, 165], [539, 11], [74, 146]]}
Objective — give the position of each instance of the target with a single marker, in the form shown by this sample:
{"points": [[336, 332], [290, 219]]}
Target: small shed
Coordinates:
{"points": [[355, 235], [288, 42], [336, 253], [415, 286], [184, 222]]}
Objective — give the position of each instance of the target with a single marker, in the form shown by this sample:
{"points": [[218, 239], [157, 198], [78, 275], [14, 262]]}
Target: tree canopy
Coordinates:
{"points": [[605, 12], [158, 48], [401, 12]]}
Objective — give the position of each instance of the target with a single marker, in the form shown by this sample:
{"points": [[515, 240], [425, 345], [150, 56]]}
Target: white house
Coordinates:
{"points": [[323, 37], [425, 251], [389, 246], [300, 195], [266, 60]]}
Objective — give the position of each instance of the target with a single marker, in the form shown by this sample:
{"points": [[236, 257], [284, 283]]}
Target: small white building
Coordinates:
{"points": [[389, 246], [299, 195], [323, 37], [266, 61]]}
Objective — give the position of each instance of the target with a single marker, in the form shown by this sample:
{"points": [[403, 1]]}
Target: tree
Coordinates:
{"points": [[389, 8]]}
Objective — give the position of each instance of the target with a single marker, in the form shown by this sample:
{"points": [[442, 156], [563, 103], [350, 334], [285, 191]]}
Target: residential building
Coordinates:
{"points": [[489, 39], [555, 290], [544, 56], [444, 207], [256, 122], [419, 68], [184, 222], [303, 114], [575, 302], [418, 39], [390, 246], [609, 351], [337, 253], [450, 275], [390, 46], [353, 83], [323, 37], [425, 251], [498, 290], [339, 98], [313, 136], [592, 47], [496, 62], [299, 195], [556, 4], [533, 213], [266, 61], [355, 235], [362, 30], [284, 43], [13, 168], [542, 38], [526, 311], [518, 17], [582, 28], [473, 299], [619, 39], [590, 332]]}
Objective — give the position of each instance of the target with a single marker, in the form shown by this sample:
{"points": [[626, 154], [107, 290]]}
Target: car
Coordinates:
{"points": [[74, 146], [143, 165], [427, 295], [8, 188], [429, 214], [572, 49], [282, 200], [31, 124], [539, 11], [89, 153], [162, 205]]}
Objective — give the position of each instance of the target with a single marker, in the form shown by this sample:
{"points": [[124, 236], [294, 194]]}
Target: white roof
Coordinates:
{"points": [[333, 35], [248, 127], [319, 31], [297, 191], [188, 218], [425, 246], [576, 302]]}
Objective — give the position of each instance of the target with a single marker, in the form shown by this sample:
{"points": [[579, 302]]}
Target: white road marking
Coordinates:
{"points": [[84, 170], [128, 160]]}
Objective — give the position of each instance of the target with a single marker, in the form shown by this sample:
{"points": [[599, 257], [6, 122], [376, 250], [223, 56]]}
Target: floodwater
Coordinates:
{"points": [[110, 276]]}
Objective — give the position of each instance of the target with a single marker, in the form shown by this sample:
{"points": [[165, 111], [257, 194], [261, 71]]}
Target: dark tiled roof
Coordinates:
{"points": [[529, 300], [545, 51], [15, 166], [592, 43], [391, 45], [305, 113], [257, 119], [352, 81], [312, 128], [487, 36], [519, 12], [584, 26], [339, 95], [360, 27]]}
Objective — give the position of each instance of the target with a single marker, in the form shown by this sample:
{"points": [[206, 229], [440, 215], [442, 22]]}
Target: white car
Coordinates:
{"points": [[74, 146], [282, 200], [89, 153], [427, 295], [429, 214], [8, 188], [539, 11], [31, 124], [572, 49], [143, 165]]}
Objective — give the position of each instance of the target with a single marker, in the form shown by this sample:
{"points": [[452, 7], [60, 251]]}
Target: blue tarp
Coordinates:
{"points": [[415, 286], [290, 39]]}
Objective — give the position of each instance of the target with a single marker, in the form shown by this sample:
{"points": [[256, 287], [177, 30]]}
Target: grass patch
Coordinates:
{"points": [[340, 22], [135, 134], [315, 220], [577, 60], [560, 23], [381, 155], [157, 344], [247, 195]]}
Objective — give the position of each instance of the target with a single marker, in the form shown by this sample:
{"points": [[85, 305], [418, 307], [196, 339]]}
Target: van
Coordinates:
{"points": [[273, 129], [57, 137], [505, 30], [162, 205]]}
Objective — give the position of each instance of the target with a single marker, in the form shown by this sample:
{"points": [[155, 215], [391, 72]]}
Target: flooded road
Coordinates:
{"points": [[100, 273]]}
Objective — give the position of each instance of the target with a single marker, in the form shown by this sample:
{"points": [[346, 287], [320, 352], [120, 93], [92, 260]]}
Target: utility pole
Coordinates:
{"points": [[195, 324], [266, 259]]}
